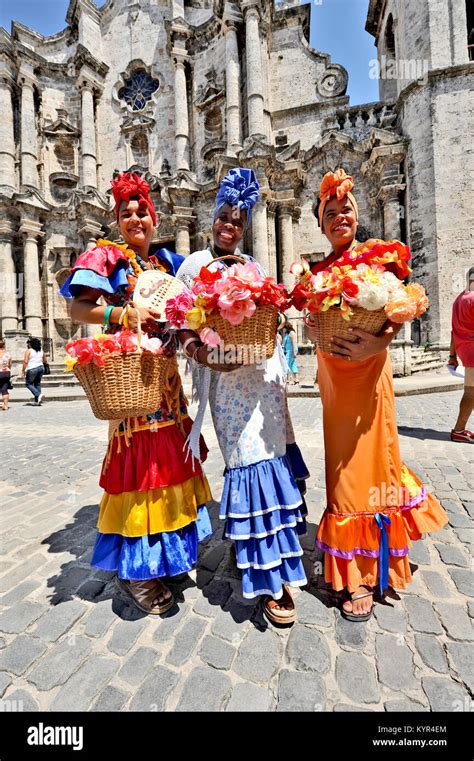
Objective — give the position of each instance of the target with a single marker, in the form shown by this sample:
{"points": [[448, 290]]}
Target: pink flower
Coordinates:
{"points": [[210, 337], [176, 308], [236, 312], [128, 340], [153, 345], [246, 275], [230, 291]]}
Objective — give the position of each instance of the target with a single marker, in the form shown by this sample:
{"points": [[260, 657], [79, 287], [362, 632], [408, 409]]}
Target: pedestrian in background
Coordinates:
{"points": [[33, 368], [462, 348], [5, 374], [290, 348]]}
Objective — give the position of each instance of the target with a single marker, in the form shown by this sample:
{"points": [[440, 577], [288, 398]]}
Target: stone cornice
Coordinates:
{"points": [[374, 16], [84, 58], [31, 198], [86, 6], [433, 75], [393, 192]]}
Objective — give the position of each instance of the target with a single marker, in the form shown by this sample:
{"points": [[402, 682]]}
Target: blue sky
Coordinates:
{"points": [[337, 28]]}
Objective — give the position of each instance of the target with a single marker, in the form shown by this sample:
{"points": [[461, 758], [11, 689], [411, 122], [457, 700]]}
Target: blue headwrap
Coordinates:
{"points": [[240, 189]]}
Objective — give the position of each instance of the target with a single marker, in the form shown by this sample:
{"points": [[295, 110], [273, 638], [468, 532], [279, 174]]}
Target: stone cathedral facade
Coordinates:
{"points": [[182, 90]]}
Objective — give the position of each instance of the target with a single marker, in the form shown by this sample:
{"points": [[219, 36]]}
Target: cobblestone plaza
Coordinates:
{"points": [[69, 640]]}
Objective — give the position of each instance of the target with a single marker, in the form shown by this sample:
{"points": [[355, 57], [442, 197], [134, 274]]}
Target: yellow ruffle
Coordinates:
{"points": [[136, 513]]}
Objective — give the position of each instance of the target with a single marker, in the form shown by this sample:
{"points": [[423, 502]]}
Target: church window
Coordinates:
{"points": [[138, 89]]}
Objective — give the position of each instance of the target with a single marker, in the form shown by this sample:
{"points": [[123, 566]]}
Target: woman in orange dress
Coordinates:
{"points": [[375, 505]]}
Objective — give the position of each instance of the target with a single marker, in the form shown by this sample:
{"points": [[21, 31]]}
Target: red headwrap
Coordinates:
{"points": [[126, 187]]}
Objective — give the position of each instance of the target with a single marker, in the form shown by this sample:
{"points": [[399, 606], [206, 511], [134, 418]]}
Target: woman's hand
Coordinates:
{"points": [[205, 354], [453, 361], [366, 346], [149, 319]]}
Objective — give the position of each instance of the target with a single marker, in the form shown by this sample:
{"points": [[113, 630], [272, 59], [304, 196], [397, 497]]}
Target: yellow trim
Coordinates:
{"points": [[135, 513]]}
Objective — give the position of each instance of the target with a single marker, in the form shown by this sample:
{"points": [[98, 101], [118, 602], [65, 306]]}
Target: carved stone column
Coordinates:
{"points": [[7, 138], [255, 99], [272, 252], [232, 79], [90, 230], [32, 232], [28, 137], [182, 239], [88, 135], [260, 233], [8, 279], [285, 222], [181, 112], [389, 196]]}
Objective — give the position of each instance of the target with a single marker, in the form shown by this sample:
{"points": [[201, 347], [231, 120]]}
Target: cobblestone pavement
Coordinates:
{"points": [[70, 641]]}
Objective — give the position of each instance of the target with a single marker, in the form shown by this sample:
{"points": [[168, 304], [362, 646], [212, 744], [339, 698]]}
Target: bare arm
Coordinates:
{"points": [[84, 308], [196, 349], [25, 361]]}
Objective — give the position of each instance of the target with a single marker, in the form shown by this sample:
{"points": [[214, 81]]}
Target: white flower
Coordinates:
{"points": [[371, 295]]}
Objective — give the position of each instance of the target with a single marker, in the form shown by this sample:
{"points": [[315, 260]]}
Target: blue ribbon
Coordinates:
{"points": [[384, 556]]}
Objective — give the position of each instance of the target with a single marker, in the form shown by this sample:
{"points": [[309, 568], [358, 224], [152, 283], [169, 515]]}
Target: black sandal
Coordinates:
{"points": [[354, 616]]}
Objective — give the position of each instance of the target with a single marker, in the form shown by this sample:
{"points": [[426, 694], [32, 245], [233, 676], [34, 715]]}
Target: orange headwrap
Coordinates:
{"points": [[337, 184]]}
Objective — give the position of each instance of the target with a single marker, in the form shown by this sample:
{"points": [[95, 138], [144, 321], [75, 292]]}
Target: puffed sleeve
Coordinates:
{"points": [[102, 268]]}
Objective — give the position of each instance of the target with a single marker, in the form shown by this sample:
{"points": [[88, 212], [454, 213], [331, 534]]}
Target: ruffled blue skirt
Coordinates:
{"points": [[261, 506], [149, 557]]}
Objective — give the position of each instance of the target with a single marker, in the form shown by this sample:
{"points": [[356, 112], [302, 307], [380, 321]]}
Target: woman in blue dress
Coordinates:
{"points": [[262, 503]]}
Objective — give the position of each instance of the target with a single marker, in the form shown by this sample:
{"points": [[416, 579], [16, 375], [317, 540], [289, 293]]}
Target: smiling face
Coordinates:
{"points": [[228, 227], [135, 224], [339, 223]]}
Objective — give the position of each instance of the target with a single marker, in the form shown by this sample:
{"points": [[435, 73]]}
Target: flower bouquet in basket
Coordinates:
{"points": [[122, 373], [235, 309], [363, 288]]}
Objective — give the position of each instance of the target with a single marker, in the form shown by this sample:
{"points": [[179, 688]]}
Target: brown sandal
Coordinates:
{"points": [[143, 594], [286, 616]]}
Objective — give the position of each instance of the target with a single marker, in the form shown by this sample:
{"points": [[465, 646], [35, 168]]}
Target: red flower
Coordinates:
{"points": [[299, 296], [274, 293]]}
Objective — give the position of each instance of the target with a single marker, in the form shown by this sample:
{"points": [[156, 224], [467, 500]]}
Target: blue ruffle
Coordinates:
{"points": [[261, 508], [297, 464], [93, 280], [254, 490], [301, 473], [153, 556], [257, 582]]}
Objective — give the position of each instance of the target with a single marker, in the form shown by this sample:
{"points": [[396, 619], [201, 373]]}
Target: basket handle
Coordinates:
{"points": [[223, 258], [139, 324]]}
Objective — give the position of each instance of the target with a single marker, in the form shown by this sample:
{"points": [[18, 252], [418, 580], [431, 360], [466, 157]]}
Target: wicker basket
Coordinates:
{"points": [[127, 385], [252, 341], [322, 326]]}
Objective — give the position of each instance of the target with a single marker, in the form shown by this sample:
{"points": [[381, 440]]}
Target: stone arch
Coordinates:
{"points": [[139, 147], [213, 124]]}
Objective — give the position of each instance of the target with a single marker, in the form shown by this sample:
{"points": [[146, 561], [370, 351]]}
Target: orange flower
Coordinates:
{"points": [[335, 183], [401, 309], [417, 292]]}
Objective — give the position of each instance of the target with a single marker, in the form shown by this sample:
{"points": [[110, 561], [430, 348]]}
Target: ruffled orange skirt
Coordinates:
{"points": [[376, 506]]}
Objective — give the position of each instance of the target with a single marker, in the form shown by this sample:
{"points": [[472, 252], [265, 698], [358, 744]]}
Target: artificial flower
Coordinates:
{"points": [[196, 317], [177, 307], [210, 337]]}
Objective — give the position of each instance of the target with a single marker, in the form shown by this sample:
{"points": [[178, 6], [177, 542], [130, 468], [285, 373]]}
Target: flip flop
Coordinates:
{"points": [[353, 616], [143, 595]]}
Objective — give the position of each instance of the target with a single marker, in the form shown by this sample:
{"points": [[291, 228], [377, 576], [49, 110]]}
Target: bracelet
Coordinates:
{"points": [[188, 341], [193, 356], [107, 313]]}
